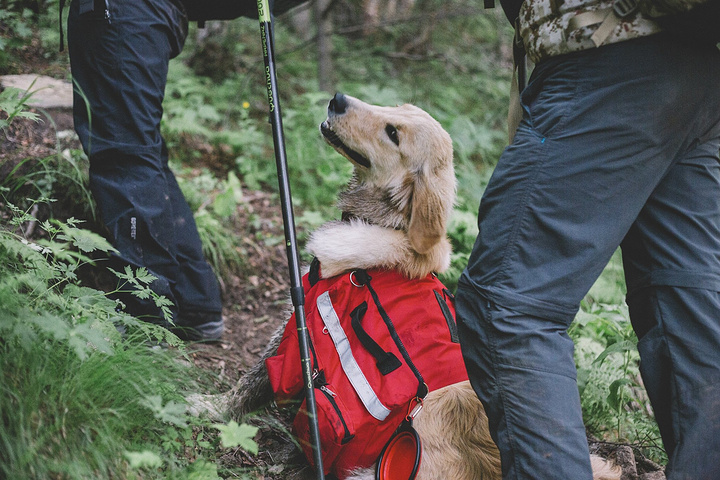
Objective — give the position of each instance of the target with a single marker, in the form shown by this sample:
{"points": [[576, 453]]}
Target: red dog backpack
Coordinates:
{"points": [[379, 343]]}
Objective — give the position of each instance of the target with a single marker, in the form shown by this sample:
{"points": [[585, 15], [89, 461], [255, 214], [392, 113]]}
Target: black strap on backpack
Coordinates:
{"points": [[314, 273], [386, 362], [363, 279], [452, 326]]}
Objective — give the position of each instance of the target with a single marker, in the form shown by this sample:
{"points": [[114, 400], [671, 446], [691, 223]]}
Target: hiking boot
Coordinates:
{"points": [[199, 327]]}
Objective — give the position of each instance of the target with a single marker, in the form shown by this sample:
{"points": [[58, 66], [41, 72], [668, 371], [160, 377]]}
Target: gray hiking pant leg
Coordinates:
{"points": [[602, 130], [672, 259]]}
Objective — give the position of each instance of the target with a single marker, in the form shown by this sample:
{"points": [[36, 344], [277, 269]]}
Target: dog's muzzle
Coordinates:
{"points": [[334, 140]]}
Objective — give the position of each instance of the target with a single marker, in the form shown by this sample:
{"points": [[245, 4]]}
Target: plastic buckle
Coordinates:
{"points": [[625, 8]]}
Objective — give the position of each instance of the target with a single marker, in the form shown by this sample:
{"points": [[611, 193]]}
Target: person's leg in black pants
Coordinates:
{"points": [[119, 64]]}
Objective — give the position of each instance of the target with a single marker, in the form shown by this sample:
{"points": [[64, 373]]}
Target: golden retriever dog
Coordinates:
{"points": [[395, 213]]}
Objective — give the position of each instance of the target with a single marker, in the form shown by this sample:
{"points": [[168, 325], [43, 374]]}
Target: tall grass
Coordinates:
{"points": [[69, 418], [77, 397]]}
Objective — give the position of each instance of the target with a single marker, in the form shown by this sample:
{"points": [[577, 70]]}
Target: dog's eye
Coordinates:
{"points": [[392, 133]]}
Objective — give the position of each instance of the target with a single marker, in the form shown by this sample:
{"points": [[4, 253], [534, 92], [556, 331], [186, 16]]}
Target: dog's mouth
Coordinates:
{"points": [[332, 138]]}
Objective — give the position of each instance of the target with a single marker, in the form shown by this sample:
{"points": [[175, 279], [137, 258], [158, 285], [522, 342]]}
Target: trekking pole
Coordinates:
{"points": [[296, 290]]}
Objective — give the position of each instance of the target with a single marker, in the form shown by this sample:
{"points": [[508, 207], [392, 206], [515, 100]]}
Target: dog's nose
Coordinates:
{"points": [[338, 104]]}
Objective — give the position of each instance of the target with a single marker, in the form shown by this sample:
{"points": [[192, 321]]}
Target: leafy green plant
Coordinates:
{"points": [[78, 398], [193, 106], [234, 435], [214, 203], [615, 405], [15, 30], [62, 175], [186, 109], [462, 230], [138, 283], [13, 102], [65, 171]]}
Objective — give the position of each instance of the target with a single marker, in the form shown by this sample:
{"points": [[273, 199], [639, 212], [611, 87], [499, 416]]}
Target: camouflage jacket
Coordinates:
{"points": [[554, 27]]}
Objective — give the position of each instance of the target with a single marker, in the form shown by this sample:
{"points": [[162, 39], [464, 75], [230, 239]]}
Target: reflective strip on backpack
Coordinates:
{"points": [[349, 365]]}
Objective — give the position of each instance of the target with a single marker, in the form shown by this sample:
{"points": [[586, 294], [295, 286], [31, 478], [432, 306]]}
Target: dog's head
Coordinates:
{"points": [[403, 176]]}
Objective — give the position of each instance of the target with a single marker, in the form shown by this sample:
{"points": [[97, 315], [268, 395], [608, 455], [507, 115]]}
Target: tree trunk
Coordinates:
{"points": [[323, 19]]}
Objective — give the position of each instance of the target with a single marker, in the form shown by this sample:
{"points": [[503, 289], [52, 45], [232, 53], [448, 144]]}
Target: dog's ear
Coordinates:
{"points": [[432, 200]]}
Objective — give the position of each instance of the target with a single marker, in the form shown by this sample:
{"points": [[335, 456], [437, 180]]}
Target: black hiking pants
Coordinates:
{"points": [[119, 64]]}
